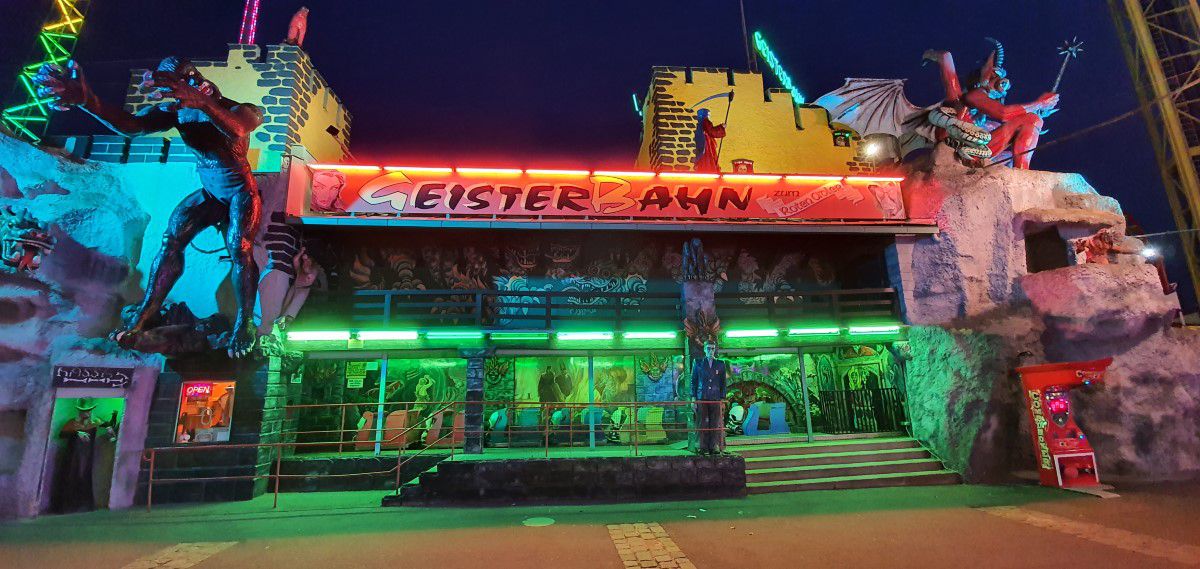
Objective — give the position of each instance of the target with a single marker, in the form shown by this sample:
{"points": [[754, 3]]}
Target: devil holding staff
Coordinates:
{"points": [[217, 130]]}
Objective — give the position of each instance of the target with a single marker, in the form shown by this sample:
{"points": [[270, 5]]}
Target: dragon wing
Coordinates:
{"points": [[870, 106]]}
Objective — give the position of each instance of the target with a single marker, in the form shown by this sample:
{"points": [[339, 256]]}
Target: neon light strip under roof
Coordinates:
{"points": [[874, 329], [731, 177], [751, 333], [318, 336], [367, 335]]}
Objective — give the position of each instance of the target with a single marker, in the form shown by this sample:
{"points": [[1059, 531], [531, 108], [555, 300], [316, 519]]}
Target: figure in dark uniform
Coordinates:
{"points": [[708, 391], [217, 130]]}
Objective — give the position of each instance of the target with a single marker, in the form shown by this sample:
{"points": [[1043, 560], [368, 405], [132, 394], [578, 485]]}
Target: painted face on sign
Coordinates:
{"points": [[327, 191]]}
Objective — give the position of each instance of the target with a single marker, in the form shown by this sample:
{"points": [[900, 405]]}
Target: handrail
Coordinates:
{"points": [[633, 426]]}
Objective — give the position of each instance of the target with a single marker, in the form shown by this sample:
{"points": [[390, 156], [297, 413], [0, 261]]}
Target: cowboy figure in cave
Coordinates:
{"points": [[217, 130]]}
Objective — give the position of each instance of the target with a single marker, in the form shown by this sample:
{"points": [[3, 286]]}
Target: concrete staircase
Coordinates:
{"points": [[789, 463]]}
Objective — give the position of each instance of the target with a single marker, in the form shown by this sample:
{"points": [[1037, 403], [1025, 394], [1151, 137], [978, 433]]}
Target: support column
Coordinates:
{"points": [[700, 320], [473, 411]]}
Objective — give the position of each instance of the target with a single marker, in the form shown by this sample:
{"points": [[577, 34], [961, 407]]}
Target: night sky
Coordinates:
{"points": [[548, 82]]}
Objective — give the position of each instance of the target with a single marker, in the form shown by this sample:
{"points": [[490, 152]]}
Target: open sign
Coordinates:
{"points": [[197, 390]]}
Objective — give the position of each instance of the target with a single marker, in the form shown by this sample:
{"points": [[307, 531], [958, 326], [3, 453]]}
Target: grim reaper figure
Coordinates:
{"points": [[217, 130]]}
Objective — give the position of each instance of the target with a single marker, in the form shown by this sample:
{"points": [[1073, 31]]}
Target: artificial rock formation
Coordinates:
{"points": [[53, 316], [978, 314]]}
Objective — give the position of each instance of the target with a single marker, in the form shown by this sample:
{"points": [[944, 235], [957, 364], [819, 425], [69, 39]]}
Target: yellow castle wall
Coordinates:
{"points": [[777, 135], [298, 105]]}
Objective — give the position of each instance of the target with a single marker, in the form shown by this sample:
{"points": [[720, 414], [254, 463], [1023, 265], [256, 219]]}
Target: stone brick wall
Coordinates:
{"points": [[763, 125], [299, 107], [258, 410], [579, 479]]}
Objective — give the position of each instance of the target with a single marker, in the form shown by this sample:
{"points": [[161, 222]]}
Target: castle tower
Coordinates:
{"points": [[301, 113], [764, 126]]}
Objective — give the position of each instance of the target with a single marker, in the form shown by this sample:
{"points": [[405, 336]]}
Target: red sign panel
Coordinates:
{"points": [[578, 194]]}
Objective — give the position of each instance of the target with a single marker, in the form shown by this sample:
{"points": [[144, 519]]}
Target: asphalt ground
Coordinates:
{"points": [[1153, 525]]}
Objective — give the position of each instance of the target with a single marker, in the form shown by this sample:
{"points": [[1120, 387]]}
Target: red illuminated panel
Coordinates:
{"points": [[441, 192]]}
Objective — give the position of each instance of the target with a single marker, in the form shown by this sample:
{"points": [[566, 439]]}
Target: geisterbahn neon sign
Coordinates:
{"points": [[760, 43], [593, 195]]}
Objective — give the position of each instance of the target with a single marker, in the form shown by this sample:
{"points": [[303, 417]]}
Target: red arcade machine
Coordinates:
{"points": [[1065, 458]]}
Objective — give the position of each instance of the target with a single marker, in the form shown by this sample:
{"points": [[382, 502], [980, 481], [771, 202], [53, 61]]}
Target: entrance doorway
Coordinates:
{"points": [[80, 453], [815, 390]]}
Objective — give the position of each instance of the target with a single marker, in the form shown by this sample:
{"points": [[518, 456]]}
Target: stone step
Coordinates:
{"points": [[742, 440], [838, 470], [932, 478], [818, 447], [847, 457]]}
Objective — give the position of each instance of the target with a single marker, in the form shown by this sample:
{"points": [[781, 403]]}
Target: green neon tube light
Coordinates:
{"points": [[875, 329], [751, 333], [637, 108], [319, 336], [764, 50], [520, 335], [814, 331], [454, 335], [585, 335], [667, 335], [367, 335]]}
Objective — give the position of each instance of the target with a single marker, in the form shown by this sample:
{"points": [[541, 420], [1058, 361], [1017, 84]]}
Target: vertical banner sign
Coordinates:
{"points": [[467, 193], [356, 372]]}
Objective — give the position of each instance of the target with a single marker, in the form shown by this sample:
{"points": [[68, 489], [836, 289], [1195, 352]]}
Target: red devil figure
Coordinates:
{"points": [[1019, 125]]}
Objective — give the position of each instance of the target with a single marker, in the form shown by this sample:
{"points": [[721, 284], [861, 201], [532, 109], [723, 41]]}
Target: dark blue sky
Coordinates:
{"points": [[549, 81]]}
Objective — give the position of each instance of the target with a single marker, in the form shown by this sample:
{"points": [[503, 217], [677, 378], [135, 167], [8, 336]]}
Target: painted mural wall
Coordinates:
{"points": [[590, 262]]}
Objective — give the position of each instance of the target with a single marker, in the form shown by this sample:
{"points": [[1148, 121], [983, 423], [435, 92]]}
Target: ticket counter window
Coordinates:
{"points": [[205, 411]]}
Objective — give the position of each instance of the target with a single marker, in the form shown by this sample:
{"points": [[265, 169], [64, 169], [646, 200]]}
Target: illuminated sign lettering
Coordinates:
{"points": [[1039, 421], [760, 43], [197, 390], [517, 194]]}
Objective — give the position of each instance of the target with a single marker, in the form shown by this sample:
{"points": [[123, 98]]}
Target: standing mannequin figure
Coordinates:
{"points": [[708, 391]]}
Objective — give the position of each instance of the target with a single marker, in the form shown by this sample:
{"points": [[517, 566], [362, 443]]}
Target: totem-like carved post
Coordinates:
{"points": [[473, 411], [700, 321]]}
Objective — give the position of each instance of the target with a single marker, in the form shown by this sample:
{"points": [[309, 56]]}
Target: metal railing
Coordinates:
{"points": [[548, 310], [496, 309], [860, 411], [788, 307], [556, 425]]}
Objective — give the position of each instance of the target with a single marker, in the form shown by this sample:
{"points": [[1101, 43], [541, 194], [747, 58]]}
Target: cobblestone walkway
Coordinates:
{"points": [[647, 545]]}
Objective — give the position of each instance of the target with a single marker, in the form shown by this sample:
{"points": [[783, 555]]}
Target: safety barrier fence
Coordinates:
{"points": [[631, 425], [550, 310], [868, 410]]}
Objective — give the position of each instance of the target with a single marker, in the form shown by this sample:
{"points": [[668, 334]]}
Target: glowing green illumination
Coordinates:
{"points": [[319, 336], [668, 335], [585, 336], [57, 39], [773, 62], [751, 333], [520, 336], [637, 107], [814, 331], [864, 330], [368, 335], [454, 335]]}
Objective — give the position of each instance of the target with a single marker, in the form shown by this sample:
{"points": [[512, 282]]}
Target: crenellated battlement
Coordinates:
{"points": [[299, 107], [764, 125]]}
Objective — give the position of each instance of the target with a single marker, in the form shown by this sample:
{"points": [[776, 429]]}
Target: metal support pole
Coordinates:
{"points": [[587, 413], [383, 365], [804, 388], [150, 483], [278, 463]]}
